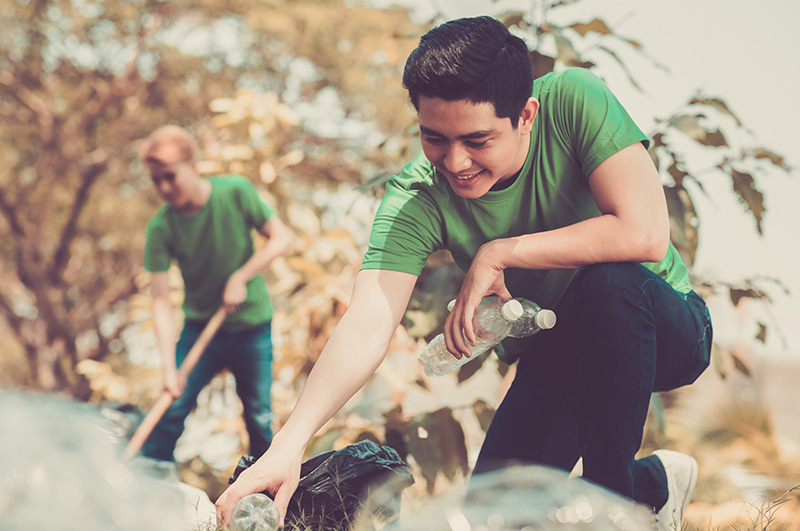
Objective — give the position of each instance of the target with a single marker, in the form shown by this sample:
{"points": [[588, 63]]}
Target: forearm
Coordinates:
{"points": [[348, 360], [261, 259], [278, 241], [165, 331], [353, 352], [605, 238]]}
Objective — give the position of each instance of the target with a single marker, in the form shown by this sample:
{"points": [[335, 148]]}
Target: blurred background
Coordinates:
{"points": [[304, 98]]}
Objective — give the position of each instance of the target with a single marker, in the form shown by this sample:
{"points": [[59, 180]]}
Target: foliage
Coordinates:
{"points": [[82, 81], [303, 98]]}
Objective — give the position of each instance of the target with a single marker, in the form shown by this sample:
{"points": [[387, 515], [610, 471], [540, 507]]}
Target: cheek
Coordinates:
{"points": [[432, 153]]}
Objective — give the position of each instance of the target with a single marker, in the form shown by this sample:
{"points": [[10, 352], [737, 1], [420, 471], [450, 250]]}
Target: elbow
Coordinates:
{"points": [[653, 246]]}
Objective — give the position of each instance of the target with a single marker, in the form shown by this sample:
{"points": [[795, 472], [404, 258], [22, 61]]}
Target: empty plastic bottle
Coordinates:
{"points": [[533, 319], [255, 512], [492, 322]]}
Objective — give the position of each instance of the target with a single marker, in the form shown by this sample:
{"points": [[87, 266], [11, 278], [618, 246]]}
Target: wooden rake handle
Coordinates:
{"points": [[165, 400]]}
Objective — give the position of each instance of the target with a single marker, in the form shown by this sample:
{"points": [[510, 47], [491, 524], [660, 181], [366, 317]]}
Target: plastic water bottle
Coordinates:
{"points": [[492, 322], [255, 512], [533, 319]]}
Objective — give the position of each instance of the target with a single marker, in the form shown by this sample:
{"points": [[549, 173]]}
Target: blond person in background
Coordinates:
{"points": [[206, 227]]}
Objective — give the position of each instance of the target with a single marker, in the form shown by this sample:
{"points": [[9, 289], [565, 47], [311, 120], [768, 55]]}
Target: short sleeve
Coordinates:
{"points": [[595, 120], [407, 227], [157, 257], [254, 209]]}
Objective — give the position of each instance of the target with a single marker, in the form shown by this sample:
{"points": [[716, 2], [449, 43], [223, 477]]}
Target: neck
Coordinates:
{"points": [[521, 158], [197, 198]]}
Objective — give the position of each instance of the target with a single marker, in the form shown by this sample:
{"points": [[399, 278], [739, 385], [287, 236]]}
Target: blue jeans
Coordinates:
{"points": [[584, 387], [248, 355]]}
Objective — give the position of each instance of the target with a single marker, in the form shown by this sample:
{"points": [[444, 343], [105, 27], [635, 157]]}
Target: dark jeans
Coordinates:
{"points": [[583, 388], [248, 355]]}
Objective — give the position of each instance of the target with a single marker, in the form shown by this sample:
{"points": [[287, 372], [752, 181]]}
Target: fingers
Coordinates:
{"points": [[282, 498], [450, 333], [227, 501]]}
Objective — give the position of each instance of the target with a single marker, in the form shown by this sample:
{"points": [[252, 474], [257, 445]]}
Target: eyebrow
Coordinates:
{"points": [[469, 136]]}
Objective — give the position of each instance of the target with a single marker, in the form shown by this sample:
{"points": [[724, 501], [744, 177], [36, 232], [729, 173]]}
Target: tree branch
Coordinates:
{"points": [[10, 214], [62, 253]]}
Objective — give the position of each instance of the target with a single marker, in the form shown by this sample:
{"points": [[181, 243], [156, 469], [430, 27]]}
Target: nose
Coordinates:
{"points": [[457, 159]]}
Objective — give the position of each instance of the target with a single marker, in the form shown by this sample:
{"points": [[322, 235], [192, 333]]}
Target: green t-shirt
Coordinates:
{"points": [[209, 246], [580, 123]]}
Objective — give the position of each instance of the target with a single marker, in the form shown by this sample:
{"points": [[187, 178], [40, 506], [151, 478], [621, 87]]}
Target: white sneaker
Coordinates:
{"points": [[681, 479]]}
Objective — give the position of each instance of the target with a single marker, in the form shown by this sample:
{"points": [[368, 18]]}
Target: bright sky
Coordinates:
{"points": [[745, 55]]}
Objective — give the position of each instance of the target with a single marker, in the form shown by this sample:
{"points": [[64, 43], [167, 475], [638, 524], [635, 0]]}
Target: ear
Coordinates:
{"points": [[528, 115]]}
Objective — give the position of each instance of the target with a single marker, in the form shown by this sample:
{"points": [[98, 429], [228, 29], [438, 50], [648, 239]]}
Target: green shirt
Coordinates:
{"points": [[209, 246], [580, 123]]}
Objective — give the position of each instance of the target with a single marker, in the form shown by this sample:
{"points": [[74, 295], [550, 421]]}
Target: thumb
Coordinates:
{"points": [[504, 293]]}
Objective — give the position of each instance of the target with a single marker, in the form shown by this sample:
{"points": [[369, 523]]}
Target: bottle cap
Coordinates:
{"points": [[512, 310], [545, 319]]}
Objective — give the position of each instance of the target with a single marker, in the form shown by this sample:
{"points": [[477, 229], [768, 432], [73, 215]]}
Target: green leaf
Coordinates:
{"points": [[624, 66], [737, 295], [513, 18], [484, 413], [654, 157], [683, 222], [744, 186], [452, 444], [717, 361], [596, 25], [740, 365], [676, 173], [437, 442], [471, 367], [690, 125], [763, 153], [762, 332], [567, 53], [422, 444], [718, 104], [657, 407], [542, 64]]}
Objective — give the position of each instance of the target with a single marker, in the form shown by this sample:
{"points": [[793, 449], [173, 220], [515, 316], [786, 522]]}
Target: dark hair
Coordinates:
{"points": [[474, 59]]}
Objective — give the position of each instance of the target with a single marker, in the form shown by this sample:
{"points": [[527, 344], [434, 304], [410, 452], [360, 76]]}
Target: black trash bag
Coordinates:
{"points": [[334, 484]]}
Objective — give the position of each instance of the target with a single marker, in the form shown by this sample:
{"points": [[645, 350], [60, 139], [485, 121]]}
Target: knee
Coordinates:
{"points": [[610, 279]]}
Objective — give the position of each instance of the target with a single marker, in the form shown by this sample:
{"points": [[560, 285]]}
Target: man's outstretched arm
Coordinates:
{"points": [[353, 352]]}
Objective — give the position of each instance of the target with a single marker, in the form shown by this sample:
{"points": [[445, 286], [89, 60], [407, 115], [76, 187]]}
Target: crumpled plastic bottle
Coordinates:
{"points": [[255, 512]]}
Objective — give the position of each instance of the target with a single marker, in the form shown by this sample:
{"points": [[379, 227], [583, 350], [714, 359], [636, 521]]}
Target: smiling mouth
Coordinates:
{"points": [[465, 178]]}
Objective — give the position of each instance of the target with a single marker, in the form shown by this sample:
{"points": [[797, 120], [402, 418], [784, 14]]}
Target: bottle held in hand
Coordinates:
{"points": [[255, 512], [492, 322], [533, 319]]}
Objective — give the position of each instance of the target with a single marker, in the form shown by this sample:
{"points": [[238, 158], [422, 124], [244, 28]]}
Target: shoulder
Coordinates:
{"points": [[417, 175], [570, 80], [159, 219], [158, 227], [232, 187], [231, 181]]}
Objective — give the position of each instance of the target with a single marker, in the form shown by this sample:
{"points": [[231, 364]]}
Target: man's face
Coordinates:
{"points": [[172, 177], [470, 145]]}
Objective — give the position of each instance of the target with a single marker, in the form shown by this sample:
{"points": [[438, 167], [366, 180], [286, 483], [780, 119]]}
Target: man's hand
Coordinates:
{"points": [[173, 383], [235, 292], [485, 277], [276, 472]]}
